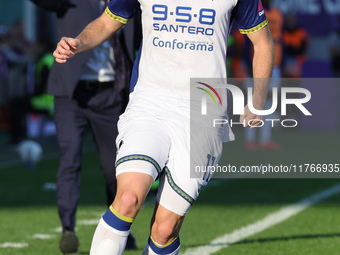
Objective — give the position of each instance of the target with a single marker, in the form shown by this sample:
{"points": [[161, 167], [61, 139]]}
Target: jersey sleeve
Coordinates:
{"points": [[122, 10], [250, 16]]}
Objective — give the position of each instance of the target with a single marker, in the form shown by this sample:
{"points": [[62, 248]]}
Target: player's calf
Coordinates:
{"points": [[164, 232], [165, 227], [114, 227]]}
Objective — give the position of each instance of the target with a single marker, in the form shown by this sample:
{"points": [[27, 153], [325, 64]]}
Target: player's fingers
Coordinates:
{"points": [[60, 58], [255, 122], [60, 61], [74, 43], [246, 122], [64, 43], [245, 117], [68, 46], [242, 117], [61, 50]]}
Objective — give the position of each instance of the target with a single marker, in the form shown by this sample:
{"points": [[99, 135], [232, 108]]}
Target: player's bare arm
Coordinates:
{"points": [[263, 63], [94, 34]]}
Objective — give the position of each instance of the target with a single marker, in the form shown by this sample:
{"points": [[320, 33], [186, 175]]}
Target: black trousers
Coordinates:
{"points": [[71, 119]]}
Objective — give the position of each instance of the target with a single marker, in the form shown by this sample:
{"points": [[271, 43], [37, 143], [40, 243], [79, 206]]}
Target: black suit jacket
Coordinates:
{"points": [[63, 78]]}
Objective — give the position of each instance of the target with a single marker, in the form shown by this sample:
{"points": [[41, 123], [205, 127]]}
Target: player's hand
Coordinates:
{"points": [[66, 48], [251, 119]]}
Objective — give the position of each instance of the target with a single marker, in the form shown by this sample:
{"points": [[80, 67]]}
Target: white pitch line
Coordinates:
{"points": [[42, 236], [58, 229], [89, 222], [263, 224], [13, 245]]}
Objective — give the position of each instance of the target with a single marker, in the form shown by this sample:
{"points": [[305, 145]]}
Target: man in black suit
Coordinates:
{"points": [[91, 89]]}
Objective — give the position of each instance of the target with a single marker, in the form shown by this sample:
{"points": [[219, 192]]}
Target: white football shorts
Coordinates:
{"points": [[154, 138]]}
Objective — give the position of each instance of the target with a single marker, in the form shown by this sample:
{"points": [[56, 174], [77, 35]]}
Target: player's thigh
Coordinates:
{"points": [[185, 173], [143, 146], [132, 189], [205, 153]]}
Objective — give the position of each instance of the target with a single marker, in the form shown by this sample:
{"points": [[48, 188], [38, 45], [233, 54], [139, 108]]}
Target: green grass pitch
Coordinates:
{"points": [[28, 214]]}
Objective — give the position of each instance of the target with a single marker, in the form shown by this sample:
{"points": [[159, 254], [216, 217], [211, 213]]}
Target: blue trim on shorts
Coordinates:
{"points": [[177, 189], [140, 157]]}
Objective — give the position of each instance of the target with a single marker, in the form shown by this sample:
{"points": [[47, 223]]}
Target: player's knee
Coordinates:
{"points": [[162, 232], [129, 203]]}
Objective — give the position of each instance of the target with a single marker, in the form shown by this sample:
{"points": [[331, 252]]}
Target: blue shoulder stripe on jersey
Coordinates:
{"points": [[164, 249], [177, 189], [123, 9]]}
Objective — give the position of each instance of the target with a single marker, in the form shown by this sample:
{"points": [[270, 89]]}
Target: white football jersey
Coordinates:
{"points": [[184, 39]]}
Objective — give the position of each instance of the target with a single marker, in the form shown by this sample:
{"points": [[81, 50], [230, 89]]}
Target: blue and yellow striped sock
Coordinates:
{"points": [[153, 248], [118, 222], [111, 233]]}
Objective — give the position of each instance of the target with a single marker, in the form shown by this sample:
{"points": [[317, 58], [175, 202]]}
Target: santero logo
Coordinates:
{"points": [[176, 45]]}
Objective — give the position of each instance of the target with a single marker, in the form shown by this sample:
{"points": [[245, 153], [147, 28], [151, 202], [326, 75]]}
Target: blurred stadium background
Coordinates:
{"points": [[28, 216]]}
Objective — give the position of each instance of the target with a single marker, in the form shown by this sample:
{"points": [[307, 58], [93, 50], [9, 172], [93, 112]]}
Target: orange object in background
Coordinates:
{"points": [[295, 41]]}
